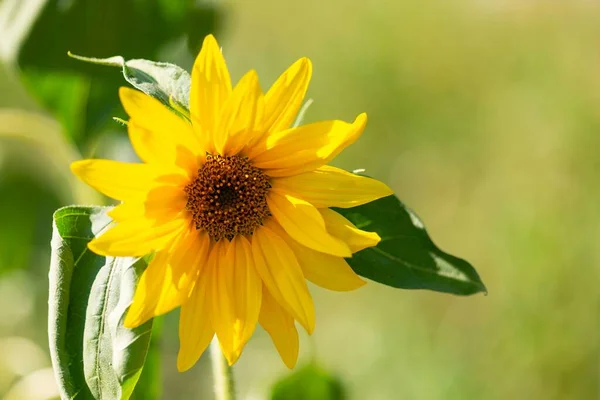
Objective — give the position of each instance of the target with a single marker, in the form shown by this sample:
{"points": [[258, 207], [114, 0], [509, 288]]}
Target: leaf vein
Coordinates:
{"points": [[415, 267]]}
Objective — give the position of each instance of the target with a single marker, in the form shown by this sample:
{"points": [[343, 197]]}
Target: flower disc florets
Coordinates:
{"points": [[228, 197]]}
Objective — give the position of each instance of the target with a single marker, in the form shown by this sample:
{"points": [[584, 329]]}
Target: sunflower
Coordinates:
{"points": [[234, 205]]}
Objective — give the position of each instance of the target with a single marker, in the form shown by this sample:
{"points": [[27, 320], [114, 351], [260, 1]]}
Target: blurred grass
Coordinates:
{"points": [[484, 117]]}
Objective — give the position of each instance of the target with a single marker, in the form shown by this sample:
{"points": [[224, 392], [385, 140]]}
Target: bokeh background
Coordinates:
{"points": [[484, 117]]}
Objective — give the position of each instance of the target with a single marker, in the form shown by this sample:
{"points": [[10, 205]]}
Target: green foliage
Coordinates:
{"points": [[149, 386], [93, 355], [32, 178], [19, 232], [406, 257], [310, 382], [138, 29], [65, 96], [168, 83]]}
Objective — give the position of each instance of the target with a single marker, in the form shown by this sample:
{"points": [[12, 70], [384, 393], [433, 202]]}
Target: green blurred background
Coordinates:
{"points": [[484, 117]]}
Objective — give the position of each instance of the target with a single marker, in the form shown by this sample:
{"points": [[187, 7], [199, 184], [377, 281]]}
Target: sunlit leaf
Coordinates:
{"points": [[166, 82], [406, 257], [93, 355]]}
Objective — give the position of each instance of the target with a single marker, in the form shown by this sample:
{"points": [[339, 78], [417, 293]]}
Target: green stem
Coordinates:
{"points": [[222, 373]]}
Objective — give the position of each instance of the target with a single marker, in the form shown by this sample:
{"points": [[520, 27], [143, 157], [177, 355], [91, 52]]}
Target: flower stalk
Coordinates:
{"points": [[224, 385]]}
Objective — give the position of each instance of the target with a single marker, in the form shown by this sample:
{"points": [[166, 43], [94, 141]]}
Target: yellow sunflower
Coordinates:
{"points": [[234, 206]]}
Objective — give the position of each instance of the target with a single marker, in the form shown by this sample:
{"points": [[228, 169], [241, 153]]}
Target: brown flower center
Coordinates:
{"points": [[228, 197]]}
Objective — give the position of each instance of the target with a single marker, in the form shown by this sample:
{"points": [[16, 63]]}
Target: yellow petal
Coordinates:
{"points": [[161, 204], [186, 260], [188, 161], [284, 98], [125, 211], [280, 326], [332, 187], [148, 291], [345, 230], [303, 222], [279, 270], [241, 116], [163, 127], [248, 289], [237, 297], [164, 203], [150, 147], [306, 147], [136, 238], [169, 278], [329, 272], [119, 180], [220, 295], [195, 328], [211, 86]]}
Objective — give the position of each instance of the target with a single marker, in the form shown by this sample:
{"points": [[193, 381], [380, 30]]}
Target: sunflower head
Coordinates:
{"points": [[235, 205], [228, 197]]}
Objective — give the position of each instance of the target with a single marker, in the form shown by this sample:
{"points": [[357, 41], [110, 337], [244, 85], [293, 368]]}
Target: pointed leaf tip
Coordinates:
{"points": [[406, 257], [168, 83]]}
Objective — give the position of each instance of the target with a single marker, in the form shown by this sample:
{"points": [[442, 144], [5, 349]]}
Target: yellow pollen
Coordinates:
{"points": [[228, 197]]}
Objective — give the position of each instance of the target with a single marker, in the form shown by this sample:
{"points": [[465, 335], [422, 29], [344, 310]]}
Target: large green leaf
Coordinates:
{"points": [[406, 257], [93, 355]]}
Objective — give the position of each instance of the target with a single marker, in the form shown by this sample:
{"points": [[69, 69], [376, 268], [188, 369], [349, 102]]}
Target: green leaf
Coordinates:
{"points": [[309, 382], [137, 28], [65, 95], [163, 81], [93, 355], [406, 257], [38, 33], [150, 384]]}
